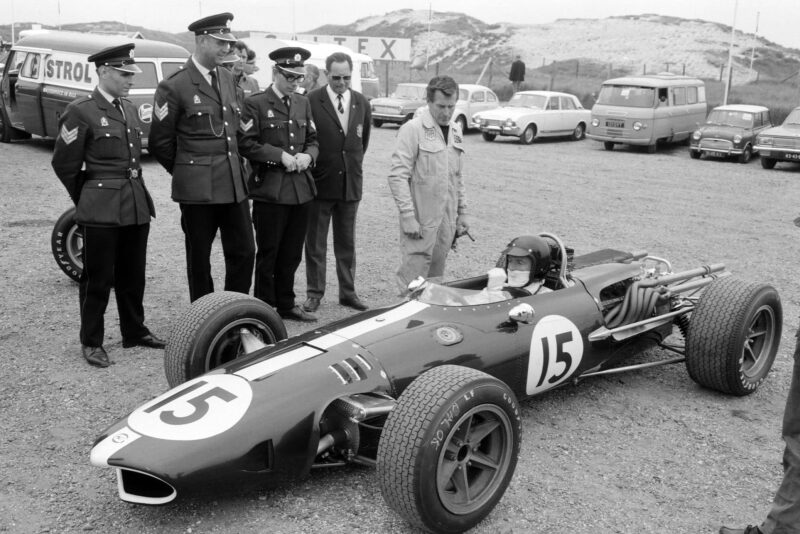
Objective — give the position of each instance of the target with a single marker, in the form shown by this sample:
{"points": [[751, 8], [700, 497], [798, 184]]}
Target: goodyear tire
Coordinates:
{"points": [[66, 242], [207, 334], [449, 448], [733, 336]]}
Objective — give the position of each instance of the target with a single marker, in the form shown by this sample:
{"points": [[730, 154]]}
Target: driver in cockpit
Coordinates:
{"points": [[526, 261]]}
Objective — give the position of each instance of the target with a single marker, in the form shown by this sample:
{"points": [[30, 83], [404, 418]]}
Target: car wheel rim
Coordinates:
{"points": [[578, 132], [528, 135], [475, 459], [227, 345], [758, 343], [74, 246]]}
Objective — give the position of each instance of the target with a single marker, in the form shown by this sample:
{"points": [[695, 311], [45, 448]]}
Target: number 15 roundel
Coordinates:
{"points": [[556, 352]]}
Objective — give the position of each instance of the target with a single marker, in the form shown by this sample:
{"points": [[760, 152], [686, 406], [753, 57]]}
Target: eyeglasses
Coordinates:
{"points": [[340, 78], [293, 78]]}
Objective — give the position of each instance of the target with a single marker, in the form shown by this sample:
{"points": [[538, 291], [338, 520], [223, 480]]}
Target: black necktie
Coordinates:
{"points": [[340, 107], [214, 82], [118, 105], [288, 103]]}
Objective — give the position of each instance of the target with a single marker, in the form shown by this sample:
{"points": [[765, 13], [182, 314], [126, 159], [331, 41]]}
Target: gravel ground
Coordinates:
{"points": [[640, 452]]}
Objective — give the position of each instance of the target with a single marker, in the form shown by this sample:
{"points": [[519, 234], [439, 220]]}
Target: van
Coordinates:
{"points": [[645, 110], [46, 70], [364, 80]]}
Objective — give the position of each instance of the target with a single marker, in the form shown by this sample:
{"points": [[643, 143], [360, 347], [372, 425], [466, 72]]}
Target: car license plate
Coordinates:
{"points": [[492, 128], [791, 156], [615, 124], [716, 153]]}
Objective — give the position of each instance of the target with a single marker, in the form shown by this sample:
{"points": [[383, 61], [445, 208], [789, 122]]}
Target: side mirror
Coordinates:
{"points": [[521, 313]]}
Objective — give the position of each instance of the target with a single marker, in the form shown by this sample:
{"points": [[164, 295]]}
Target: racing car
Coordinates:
{"points": [[426, 390]]}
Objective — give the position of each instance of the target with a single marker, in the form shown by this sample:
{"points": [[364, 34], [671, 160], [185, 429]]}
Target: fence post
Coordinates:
{"points": [[552, 76], [684, 69], [644, 68], [387, 78], [577, 67], [667, 66], [721, 68], [609, 71]]}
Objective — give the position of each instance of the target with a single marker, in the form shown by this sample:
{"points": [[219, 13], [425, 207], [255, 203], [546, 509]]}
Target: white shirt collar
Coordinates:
{"points": [[106, 95], [277, 91], [203, 70], [332, 95]]}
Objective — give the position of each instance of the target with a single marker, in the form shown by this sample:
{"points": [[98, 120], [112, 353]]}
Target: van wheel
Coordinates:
{"points": [[695, 154], [608, 145], [768, 163], [745, 156], [651, 149]]}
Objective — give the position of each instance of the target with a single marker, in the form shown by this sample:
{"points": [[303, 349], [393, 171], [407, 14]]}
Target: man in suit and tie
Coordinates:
{"points": [[193, 136], [98, 159], [343, 119]]}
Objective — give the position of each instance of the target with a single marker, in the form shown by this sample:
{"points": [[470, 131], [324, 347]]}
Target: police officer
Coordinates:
{"points": [[277, 135], [101, 134], [193, 135]]}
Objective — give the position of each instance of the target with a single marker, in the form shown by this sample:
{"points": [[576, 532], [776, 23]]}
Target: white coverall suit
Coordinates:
{"points": [[426, 180]]}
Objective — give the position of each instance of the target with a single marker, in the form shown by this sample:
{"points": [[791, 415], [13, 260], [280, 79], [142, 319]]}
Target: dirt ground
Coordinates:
{"points": [[647, 451]]}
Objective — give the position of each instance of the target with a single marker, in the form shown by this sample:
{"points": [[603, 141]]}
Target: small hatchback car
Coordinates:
{"points": [[730, 131], [781, 143]]}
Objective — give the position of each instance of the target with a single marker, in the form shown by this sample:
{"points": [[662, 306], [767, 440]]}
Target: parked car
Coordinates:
{"points": [[730, 131], [399, 107], [471, 99], [780, 143], [426, 389], [532, 114]]}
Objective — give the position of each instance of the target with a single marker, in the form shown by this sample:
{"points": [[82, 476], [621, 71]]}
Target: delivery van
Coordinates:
{"points": [[46, 70], [364, 79], [646, 110]]}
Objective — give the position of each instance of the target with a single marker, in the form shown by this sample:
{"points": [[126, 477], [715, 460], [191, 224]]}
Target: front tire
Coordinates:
{"points": [[449, 448], [66, 243], [746, 155], [528, 135], [695, 154], [608, 145], [768, 163], [733, 336], [488, 136], [377, 123], [579, 132], [462, 122], [207, 335]]}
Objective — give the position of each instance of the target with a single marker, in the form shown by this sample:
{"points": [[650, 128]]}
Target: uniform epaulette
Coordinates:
{"points": [[180, 69], [82, 100]]}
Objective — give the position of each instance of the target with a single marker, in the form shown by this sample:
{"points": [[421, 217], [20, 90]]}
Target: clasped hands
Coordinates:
{"points": [[296, 163]]}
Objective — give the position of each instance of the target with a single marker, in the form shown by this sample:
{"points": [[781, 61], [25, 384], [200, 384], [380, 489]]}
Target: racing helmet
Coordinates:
{"points": [[535, 248]]}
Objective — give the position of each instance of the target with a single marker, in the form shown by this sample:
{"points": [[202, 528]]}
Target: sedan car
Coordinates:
{"points": [[730, 131], [425, 390], [532, 114], [781, 143], [399, 107], [471, 99]]}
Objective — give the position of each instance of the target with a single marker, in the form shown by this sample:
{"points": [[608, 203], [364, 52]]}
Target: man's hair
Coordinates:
{"points": [[445, 84], [241, 45], [251, 54], [337, 57], [313, 70]]}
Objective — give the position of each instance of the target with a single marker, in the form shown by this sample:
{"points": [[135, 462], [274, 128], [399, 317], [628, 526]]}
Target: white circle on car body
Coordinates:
{"points": [[555, 354], [201, 408]]}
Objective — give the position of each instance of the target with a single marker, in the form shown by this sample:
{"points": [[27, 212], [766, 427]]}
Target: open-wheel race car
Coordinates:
{"points": [[425, 390]]}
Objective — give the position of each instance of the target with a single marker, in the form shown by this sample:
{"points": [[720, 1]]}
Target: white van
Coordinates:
{"points": [[364, 80]]}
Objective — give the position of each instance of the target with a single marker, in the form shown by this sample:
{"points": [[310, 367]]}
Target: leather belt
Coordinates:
{"points": [[130, 174]]}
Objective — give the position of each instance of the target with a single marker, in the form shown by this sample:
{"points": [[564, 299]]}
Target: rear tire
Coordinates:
{"points": [[66, 243], [488, 136], [746, 155], [528, 135], [651, 149], [768, 163], [462, 122], [377, 123], [608, 145], [449, 448], [733, 336], [695, 154], [207, 334]]}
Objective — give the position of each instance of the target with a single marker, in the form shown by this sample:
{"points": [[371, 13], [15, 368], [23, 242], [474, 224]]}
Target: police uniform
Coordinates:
{"points": [[280, 198], [193, 136], [113, 205]]}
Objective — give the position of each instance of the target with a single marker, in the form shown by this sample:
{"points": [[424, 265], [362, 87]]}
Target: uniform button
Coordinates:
{"points": [[290, 121], [291, 135], [199, 113], [291, 147], [229, 154], [226, 123], [108, 135], [131, 145], [191, 162], [100, 184], [229, 138], [340, 172], [133, 159], [224, 108]]}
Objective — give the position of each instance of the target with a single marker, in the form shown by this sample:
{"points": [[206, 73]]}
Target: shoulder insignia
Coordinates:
{"points": [[245, 126], [180, 69], [457, 138], [103, 121], [314, 126], [161, 111], [196, 99], [68, 136]]}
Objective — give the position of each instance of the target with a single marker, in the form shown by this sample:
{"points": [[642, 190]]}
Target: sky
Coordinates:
{"points": [[777, 20]]}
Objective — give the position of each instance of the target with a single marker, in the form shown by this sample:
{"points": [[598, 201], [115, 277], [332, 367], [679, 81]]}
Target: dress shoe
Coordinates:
{"points": [[746, 530], [96, 356], [147, 340], [353, 302], [311, 304], [298, 314]]}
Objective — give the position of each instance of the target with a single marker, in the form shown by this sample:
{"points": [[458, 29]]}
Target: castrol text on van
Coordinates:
{"points": [[46, 70], [646, 110]]}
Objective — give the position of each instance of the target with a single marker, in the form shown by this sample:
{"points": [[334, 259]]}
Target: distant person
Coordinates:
{"points": [[97, 157], [312, 79], [343, 119], [426, 180], [193, 136], [247, 85], [250, 66], [784, 516], [517, 74]]}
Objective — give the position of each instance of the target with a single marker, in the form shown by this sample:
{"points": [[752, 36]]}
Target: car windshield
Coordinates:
{"points": [[441, 295], [627, 95], [793, 118], [724, 117], [410, 92], [527, 101]]}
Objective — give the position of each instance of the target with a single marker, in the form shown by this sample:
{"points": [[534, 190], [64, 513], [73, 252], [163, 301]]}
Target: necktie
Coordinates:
{"points": [[214, 82], [118, 105], [288, 103], [340, 107]]}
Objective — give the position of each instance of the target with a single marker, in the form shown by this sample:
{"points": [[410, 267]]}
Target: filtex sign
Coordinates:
{"points": [[378, 48]]}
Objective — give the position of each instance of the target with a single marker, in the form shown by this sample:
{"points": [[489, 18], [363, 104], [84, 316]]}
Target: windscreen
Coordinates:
{"points": [[627, 95]]}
